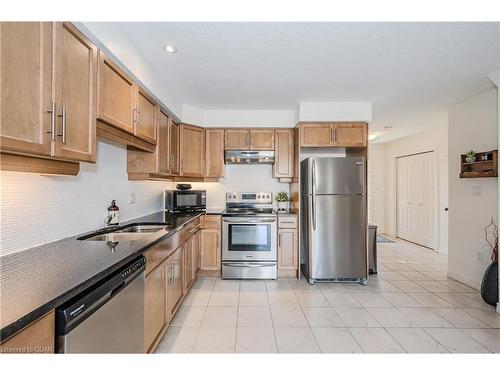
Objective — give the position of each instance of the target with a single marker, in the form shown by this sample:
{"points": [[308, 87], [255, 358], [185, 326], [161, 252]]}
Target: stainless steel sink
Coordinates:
{"points": [[141, 228], [132, 232], [116, 237]]}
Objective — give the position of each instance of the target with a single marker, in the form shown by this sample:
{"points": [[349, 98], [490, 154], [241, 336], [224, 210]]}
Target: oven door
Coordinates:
{"points": [[249, 238]]}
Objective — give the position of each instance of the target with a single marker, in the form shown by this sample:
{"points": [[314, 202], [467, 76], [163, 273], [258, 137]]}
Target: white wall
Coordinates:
{"points": [[437, 141], [238, 118], [473, 124], [240, 178], [39, 209], [376, 186], [335, 111]]}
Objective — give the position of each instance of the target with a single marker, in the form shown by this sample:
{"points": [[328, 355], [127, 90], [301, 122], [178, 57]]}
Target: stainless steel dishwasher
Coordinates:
{"points": [[106, 318]]}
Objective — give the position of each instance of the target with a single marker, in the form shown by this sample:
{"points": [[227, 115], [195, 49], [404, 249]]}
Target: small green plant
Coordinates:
{"points": [[471, 155], [282, 196]]}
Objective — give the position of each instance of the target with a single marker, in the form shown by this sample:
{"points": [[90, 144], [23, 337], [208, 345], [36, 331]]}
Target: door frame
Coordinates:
{"points": [[437, 236]]}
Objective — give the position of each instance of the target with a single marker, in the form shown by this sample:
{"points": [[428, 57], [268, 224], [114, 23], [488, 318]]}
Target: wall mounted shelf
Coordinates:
{"points": [[486, 165]]}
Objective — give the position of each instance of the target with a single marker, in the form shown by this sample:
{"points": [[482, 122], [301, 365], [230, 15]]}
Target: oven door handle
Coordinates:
{"points": [[245, 221], [245, 264]]}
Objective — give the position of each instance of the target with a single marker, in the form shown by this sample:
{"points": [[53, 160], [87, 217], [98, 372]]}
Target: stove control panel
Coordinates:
{"points": [[259, 197]]}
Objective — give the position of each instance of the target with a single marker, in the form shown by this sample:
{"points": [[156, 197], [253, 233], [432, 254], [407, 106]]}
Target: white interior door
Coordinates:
{"points": [[416, 198]]}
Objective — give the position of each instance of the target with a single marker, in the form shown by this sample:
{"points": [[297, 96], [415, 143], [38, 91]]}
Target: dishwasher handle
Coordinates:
{"points": [[79, 308]]}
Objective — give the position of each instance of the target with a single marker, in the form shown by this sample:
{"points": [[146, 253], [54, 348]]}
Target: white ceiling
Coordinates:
{"points": [[411, 72]]}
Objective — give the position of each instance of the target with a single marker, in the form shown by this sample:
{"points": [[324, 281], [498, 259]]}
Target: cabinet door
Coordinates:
{"points": [[26, 87], [237, 139], [192, 139], [283, 165], [154, 305], [316, 135], [175, 280], [287, 249], [262, 139], [197, 252], [75, 89], [174, 151], [350, 135], [188, 263], [163, 149], [145, 125], [37, 338], [115, 95], [210, 250], [214, 139]]}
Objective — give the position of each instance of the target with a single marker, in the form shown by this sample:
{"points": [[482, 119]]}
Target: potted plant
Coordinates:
{"points": [[470, 156], [489, 284], [282, 199]]}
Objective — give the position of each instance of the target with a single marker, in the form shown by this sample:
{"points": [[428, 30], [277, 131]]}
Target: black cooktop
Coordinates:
{"points": [[249, 211]]}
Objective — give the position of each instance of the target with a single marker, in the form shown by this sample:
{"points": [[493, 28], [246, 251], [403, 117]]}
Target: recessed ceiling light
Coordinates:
{"points": [[170, 48]]}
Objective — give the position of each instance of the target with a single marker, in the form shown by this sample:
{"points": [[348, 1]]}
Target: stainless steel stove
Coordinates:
{"points": [[249, 233]]}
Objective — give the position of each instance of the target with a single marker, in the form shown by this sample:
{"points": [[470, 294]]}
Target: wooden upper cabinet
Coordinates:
{"points": [[146, 109], [26, 87], [75, 92], [214, 144], [237, 139], [316, 135], [192, 146], [163, 144], [350, 134], [262, 139], [284, 153], [174, 149], [115, 95]]}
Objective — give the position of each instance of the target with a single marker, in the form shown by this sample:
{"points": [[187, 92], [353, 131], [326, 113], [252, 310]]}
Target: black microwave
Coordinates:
{"points": [[185, 200]]}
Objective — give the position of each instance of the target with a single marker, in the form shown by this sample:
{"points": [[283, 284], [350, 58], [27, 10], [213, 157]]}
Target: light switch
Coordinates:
{"points": [[476, 190], [132, 198]]}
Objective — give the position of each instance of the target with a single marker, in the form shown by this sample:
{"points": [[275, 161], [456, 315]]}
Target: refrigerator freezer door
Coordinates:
{"points": [[337, 247], [334, 175]]}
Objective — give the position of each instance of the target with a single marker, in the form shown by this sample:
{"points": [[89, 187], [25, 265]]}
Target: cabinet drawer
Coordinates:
{"points": [[162, 250], [287, 221], [211, 222], [192, 228]]}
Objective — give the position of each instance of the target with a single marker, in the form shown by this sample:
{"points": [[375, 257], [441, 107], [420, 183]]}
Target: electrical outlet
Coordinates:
{"points": [[132, 198], [476, 190]]}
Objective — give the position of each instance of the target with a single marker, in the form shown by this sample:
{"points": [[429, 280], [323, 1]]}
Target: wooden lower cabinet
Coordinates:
{"points": [[188, 276], [154, 305], [210, 250], [288, 246], [175, 290], [37, 338]]}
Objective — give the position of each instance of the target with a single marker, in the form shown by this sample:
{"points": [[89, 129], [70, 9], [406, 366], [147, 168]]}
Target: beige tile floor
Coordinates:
{"points": [[410, 306]]}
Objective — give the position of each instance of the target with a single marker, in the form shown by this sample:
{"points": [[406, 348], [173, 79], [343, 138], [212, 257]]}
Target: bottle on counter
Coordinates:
{"points": [[113, 217]]}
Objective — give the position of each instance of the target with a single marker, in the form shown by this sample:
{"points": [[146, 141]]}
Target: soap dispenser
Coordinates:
{"points": [[113, 217]]}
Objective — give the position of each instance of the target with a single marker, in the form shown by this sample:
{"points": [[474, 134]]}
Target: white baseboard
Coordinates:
{"points": [[463, 280], [498, 307]]}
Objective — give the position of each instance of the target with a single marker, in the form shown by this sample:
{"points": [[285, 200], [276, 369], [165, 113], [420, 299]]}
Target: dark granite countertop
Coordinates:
{"points": [[36, 280]]}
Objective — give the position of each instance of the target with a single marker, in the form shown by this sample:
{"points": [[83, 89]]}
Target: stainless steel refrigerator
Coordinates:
{"points": [[333, 219]]}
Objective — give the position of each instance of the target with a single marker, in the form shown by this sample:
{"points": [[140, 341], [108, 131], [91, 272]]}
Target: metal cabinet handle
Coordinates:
{"points": [[52, 112], [314, 193], [138, 117], [134, 115], [63, 116]]}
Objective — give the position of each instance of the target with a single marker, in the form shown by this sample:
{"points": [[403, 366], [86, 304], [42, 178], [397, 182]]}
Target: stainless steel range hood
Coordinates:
{"points": [[249, 157]]}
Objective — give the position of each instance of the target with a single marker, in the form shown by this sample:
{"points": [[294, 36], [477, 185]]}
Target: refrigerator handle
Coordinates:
{"points": [[313, 208]]}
